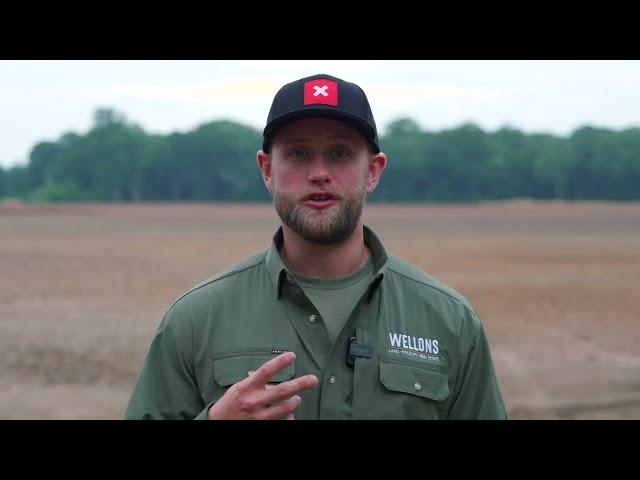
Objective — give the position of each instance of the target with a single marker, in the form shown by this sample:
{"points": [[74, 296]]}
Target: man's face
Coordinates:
{"points": [[319, 178]]}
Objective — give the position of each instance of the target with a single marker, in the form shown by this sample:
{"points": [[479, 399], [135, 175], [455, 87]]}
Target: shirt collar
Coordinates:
{"points": [[278, 271]]}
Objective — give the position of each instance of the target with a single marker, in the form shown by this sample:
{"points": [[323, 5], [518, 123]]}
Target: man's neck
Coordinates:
{"points": [[312, 260]]}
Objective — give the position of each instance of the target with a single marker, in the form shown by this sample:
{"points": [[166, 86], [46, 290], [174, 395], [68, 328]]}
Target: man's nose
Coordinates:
{"points": [[319, 171]]}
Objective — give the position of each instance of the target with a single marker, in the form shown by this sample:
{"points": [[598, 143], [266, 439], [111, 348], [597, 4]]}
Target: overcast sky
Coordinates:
{"points": [[41, 100]]}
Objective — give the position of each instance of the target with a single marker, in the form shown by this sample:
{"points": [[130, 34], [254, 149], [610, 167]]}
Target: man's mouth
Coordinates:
{"points": [[320, 200]]}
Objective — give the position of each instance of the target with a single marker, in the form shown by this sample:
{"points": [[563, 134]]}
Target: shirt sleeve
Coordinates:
{"points": [[477, 395], [166, 387]]}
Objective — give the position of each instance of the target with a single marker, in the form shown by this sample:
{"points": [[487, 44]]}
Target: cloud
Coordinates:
{"points": [[230, 89], [251, 88], [404, 96]]}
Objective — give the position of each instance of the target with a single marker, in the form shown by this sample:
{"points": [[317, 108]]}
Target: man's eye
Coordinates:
{"points": [[339, 154], [299, 153]]}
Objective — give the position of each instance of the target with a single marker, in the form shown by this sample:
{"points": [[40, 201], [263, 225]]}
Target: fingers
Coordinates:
{"points": [[279, 410], [285, 390], [256, 398], [270, 369]]}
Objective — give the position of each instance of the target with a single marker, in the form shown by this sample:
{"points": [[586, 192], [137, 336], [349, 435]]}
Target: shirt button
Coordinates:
{"points": [[312, 318], [332, 379], [417, 386], [289, 278]]}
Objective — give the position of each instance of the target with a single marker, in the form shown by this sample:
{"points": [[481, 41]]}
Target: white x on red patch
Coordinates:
{"points": [[321, 91]]}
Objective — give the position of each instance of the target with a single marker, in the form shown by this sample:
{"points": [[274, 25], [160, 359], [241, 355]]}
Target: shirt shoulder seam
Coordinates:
{"points": [[215, 279], [434, 287]]}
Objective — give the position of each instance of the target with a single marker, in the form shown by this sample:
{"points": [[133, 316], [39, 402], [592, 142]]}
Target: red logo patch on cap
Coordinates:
{"points": [[321, 91]]}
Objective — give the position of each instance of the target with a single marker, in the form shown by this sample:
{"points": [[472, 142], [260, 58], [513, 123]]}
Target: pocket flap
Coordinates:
{"points": [[232, 369], [420, 380]]}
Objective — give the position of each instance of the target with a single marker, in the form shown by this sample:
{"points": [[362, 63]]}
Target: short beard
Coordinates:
{"points": [[321, 227]]}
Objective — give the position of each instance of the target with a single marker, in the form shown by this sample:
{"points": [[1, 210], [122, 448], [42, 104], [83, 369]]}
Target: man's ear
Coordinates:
{"points": [[377, 164], [264, 163]]}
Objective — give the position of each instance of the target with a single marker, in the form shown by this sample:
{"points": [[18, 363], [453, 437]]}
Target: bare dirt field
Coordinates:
{"points": [[83, 288]]}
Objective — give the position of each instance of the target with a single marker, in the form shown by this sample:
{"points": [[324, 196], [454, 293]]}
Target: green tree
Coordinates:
{"points": [[118, 161], [103, 117], [470, 147], [16, 182], [625, 171], [551, 166], [401, 126], [66, 191], [215, 162], [41, 160]]}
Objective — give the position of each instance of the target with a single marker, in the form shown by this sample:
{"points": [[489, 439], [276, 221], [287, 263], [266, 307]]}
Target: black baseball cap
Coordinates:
{"points": [[321, 96]]}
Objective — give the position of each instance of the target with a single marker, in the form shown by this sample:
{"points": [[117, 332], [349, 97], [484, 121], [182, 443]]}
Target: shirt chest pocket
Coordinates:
{"points": [[229, 369], [411, 390]]}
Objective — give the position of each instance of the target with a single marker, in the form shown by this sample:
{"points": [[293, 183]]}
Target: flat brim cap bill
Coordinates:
{"points": [[321, 96]]}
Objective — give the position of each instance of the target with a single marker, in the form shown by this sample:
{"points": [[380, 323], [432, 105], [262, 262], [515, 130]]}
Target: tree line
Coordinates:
{"points": [[117, 161]]}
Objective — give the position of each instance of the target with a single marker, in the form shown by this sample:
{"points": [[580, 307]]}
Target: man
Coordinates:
{"points": [[324, 324]]}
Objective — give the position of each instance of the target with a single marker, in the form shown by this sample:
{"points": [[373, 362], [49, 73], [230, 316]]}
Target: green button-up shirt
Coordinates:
{"points": [[428, 356]]}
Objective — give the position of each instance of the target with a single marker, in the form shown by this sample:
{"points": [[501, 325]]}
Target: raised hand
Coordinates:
{"points": [[254, 399]]}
